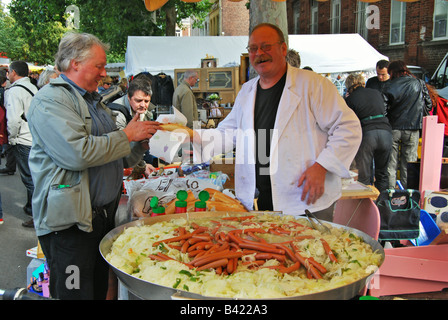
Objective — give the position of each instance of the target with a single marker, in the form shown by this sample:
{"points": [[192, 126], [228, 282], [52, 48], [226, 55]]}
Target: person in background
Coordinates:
{"points": [[77, 161], [293, 58], [408, 101], [382, 76], [295, 136], [17, 102], [3, 130], [184, 99], [104, 84], [373, 154], [137, 101], [46, 76]]}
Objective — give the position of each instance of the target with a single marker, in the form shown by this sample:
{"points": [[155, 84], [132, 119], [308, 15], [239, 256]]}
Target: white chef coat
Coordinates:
{"points": [[313, 124]]}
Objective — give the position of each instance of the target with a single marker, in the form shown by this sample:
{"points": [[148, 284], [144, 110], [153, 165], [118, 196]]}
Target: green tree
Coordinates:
{"points": [[33, 28], [130, 18]]}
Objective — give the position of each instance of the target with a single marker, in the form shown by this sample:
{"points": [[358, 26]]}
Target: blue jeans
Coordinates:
{"points": [[1, 209], [22, 153]]}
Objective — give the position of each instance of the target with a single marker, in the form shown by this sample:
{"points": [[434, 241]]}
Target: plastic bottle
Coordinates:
{"points": [[201, 205], [156, 210], [181, 204]]}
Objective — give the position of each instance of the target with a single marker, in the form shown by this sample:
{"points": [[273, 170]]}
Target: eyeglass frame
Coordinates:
{"points": [[262, 47]]}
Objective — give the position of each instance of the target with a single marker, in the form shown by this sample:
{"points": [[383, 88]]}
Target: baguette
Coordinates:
{"points": [[176, 126], [218, 202]]}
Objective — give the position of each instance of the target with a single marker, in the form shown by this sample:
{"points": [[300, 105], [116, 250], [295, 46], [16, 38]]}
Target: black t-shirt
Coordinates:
{"points": [[375, 83], [265, 113]]}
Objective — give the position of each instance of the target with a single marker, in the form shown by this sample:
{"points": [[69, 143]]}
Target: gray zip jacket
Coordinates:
{"points": [[63, 150]]}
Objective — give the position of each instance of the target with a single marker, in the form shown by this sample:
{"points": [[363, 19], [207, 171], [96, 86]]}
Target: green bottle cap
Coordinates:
{"points": [[154, 203], [200, 204], [203, 197], [158, 210], [182, 195], [181, 204]]}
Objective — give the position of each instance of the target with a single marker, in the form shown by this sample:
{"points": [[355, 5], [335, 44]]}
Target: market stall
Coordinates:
{"points": [[333, 54]]}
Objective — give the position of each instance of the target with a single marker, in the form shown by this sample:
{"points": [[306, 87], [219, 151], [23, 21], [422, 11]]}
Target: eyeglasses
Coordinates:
{"points": [[264, 47], [108, 83]]}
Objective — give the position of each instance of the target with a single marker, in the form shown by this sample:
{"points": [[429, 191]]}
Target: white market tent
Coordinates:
{"points": [[335, 53]]}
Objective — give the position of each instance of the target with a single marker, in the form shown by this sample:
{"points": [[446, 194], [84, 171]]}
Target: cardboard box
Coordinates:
{"points": [[227, 166], [35, 252]]}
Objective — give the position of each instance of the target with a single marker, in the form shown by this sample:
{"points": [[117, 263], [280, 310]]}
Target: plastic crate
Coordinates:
{"points": [[428, 230]]}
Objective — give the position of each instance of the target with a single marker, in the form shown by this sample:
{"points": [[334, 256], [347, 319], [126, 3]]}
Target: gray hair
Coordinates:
{"points": [[76, 46], [45, 77], [190, 73], [293, 58]]}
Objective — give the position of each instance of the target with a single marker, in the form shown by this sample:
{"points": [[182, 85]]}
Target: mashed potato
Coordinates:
{"points": [[131, 252]]}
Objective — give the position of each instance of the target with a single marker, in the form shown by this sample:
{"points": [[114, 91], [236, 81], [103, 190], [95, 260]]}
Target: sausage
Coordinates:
{"points": [[174, 239], [290, 269], [329, 251], [261, 247], [214, 264], [215, 256]]}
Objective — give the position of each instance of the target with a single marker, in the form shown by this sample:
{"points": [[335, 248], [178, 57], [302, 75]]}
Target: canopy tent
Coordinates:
{"points": [[164, 54], [335, 53]]}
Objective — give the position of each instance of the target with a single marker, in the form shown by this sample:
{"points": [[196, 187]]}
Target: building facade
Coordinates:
{"points": [[227, 18], [415, 32]]}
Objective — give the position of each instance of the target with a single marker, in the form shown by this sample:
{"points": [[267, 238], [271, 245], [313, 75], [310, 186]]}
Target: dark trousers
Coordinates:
{"points": [[372, 158], [21, 154], [10, 158], [77, 269]]}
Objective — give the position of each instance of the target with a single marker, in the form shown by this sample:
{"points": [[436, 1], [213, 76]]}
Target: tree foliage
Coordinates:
{"points": [[33, 28]]}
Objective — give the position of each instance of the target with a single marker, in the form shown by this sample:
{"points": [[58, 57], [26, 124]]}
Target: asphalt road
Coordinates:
{"points": [[14, 238]]}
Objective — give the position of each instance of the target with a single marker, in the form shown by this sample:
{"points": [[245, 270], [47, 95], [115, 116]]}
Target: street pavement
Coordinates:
{"points": [[14, 238]]}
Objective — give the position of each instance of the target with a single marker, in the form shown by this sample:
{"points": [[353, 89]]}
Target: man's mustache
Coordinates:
{"points": [[262, 59]]}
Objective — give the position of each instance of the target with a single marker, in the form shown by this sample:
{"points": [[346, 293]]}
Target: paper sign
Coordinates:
{"points": [[165, 145], [176, 117]]}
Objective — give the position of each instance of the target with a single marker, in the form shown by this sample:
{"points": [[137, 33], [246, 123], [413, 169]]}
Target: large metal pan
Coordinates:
{"points": [[151, 291]]}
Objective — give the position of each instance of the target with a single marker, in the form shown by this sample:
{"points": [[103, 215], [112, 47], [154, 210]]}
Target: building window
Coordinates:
{"points": [[361, 15], [440, 19], [335, 19], [296, 14], [397, 22], [314, 17]]}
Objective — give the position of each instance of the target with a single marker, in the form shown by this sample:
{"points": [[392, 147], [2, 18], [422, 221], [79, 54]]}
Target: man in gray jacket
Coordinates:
{"points": [[76, 162], [17, 102], [184, 100]]}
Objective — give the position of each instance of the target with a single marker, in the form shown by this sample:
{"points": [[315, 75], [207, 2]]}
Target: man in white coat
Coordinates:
{"points": [[17, 102], [294, 135]]}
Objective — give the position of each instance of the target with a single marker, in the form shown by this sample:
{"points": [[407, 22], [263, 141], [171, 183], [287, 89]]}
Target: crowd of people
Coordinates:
{"points": [[390, 107], [293, 134]]}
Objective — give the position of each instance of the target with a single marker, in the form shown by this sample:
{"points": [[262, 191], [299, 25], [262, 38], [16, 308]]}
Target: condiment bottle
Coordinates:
{"points": [[156, 210], [201, 205], [181, 204]]}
